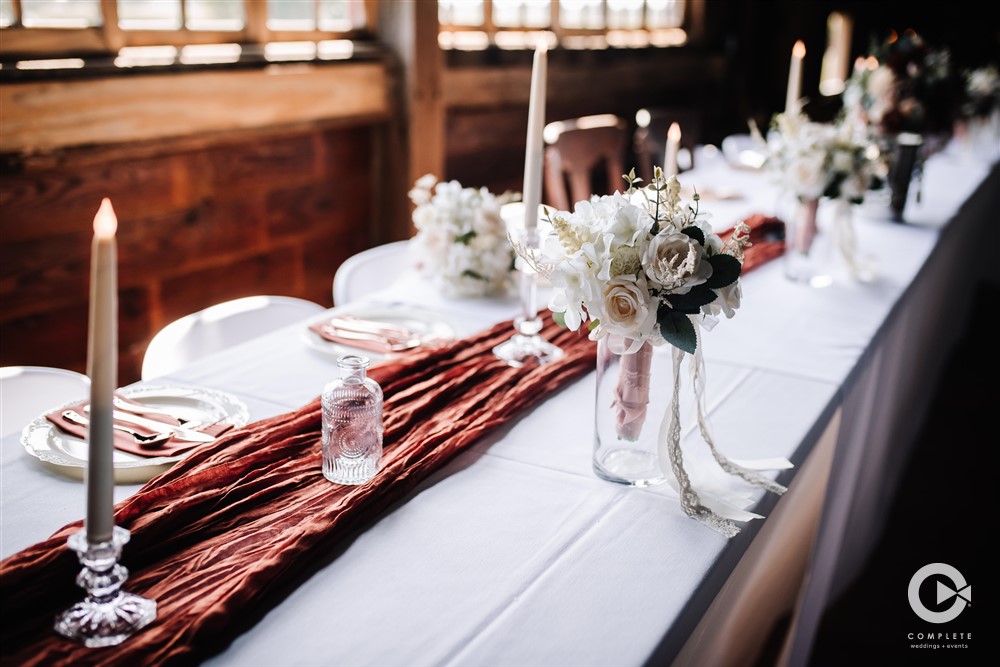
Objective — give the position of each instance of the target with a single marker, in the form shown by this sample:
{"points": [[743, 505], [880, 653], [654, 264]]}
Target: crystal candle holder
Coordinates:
{"points": [[108, 615]]}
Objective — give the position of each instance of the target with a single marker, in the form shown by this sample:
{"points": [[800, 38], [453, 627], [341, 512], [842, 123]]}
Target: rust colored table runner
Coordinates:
{"points": [[221, 536]]}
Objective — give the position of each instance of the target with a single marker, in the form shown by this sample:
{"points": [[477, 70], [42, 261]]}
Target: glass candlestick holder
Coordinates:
{"points": [[108, 615], [527, 345]]}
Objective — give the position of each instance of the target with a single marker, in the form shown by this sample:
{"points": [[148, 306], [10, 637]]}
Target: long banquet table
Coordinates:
{"points": [[516, 554]]}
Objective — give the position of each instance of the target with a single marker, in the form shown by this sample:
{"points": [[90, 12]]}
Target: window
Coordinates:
{"points": [[476, 24], [82, 27]]}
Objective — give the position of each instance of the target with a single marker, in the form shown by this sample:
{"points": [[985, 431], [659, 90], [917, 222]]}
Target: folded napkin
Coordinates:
{"points": [[767, 234], [379, 337], [127, 443]]}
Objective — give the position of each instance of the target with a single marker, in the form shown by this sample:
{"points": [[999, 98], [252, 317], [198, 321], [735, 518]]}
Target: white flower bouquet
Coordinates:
{"points": [[461, 240], [643, 269], [641, 265], [814, 160]]}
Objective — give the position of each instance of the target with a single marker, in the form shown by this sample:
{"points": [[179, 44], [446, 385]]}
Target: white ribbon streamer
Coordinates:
{"points": [[720, 509]]}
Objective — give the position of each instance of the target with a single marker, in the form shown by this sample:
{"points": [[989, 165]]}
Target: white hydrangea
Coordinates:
{"points": [[461, 240]]}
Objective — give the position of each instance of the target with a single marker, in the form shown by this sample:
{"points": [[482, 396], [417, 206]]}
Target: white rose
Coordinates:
{"points": [[843, 162], [627, 308], [676, 263], [807, 177]]}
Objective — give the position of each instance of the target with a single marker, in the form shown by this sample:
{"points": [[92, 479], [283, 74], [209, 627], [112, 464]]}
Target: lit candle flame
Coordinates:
{"points": [[674, 133], [105, 222], [859, 63], [799, 50], [872, 63], [892, 37]]}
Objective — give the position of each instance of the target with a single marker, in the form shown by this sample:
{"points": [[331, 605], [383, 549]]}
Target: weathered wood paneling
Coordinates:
{"points": [[45, 115], [258, 213]]}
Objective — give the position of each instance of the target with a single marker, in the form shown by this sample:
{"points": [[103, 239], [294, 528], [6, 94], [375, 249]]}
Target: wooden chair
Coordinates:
{"points": [[650, 139], [575, 150]]}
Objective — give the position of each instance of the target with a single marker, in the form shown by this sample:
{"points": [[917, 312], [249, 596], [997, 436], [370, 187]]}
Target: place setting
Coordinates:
{"points": [[154, 427], [379, 331]]}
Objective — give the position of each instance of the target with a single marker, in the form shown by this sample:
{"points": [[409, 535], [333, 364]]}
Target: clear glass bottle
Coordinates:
{"points": [[352, 424]]}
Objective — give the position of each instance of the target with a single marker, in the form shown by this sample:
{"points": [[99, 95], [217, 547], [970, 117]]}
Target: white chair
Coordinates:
{"points": [[369, 271], [219, 327], [28, 391]]}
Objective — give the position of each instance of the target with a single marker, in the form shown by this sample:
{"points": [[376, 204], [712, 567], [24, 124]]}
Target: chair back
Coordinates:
{"points": [[575, 149], [219, 327], [28, 391], [369, 271]]}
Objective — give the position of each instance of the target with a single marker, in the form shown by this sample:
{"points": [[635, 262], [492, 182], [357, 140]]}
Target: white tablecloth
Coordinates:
{"points": [[515, 553]]}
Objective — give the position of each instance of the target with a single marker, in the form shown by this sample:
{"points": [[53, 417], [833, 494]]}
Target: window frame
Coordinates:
{"points": [[108, 38], [560, 32]]}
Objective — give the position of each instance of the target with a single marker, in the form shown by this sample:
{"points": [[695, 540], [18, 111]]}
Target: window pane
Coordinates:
{"points": [[581, 14], [625, 14], [60, 13], [6, 13], [149, 14], [341, 15], [521, 13], [291, 15], [461, 12], [664, 13], [214, 14]]}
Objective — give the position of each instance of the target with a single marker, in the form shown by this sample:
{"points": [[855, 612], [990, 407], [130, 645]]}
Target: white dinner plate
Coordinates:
{"points": [[67, 453], [424, 324]]}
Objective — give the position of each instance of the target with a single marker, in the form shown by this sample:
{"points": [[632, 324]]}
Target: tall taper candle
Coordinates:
{"points": [[534, 148], [795, 76], [673, 147], [102, 366]]}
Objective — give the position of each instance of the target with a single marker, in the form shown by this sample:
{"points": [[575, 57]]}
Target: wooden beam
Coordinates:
{"points": [[410, 29], [42, 116]]}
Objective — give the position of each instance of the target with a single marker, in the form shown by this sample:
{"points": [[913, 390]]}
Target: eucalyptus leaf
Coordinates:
{"points": [[725, 270], [677, 329], [695, 233], [691, 303], [559, 318]]}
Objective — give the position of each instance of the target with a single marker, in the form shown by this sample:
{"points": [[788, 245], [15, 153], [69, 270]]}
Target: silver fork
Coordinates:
{"points": [[141, 438]]}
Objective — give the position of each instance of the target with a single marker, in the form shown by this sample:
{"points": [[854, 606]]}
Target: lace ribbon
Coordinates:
{"points": [[719, 511], [859, 266]]}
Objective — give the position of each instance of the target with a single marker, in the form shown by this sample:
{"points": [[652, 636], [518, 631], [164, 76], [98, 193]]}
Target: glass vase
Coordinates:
{"points": [[807, 247], [633, 393]]}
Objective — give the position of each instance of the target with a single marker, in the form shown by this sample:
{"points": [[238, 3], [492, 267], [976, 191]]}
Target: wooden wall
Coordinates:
{"points": [[200, 221]]}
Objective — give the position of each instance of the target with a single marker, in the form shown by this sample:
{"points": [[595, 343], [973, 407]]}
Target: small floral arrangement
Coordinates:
{"points": [[904, 86], [982, 91], [816, 160], [461, 241], [640, 265]]}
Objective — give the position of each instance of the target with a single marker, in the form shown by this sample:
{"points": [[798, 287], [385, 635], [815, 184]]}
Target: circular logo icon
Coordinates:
{"points": [[960, 590]]}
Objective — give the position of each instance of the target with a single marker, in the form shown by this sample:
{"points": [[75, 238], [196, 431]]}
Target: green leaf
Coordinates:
{"points": [[677, 329], [695, 233], [559, 318], [469, 273], [466, 237], [593, 324], [725, 270], [691, 302]]}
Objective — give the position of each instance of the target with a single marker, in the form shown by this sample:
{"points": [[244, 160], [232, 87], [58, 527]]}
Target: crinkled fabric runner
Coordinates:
{"points": [[226, 532], [214, 534]]}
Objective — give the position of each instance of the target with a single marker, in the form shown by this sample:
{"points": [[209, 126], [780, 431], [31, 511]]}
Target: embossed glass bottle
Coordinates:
{"points": [[352, 424]]}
